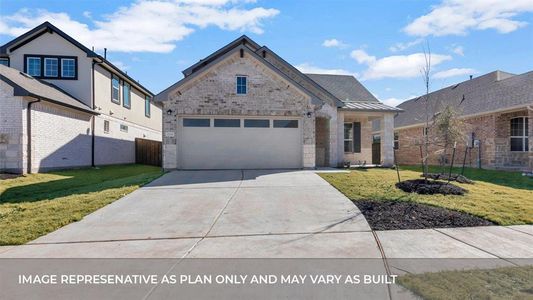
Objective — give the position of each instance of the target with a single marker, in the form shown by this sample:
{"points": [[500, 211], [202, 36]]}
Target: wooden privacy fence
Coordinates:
{"points": [[148, 152]]}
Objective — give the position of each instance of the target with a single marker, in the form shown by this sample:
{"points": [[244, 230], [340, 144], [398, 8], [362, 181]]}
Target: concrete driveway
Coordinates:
{"points": [[232, 213]]}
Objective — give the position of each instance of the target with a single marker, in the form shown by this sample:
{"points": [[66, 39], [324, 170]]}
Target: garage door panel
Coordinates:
{"points": [[240, 148]]}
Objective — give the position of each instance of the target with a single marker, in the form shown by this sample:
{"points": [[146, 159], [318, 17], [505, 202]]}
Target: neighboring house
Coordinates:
{"points": [[117, 109], [245, 107], [497, 109]]}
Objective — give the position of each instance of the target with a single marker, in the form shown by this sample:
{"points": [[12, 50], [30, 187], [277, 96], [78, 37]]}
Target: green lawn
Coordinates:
{"points": [[501, 283], [36, 204], [487, 198]]}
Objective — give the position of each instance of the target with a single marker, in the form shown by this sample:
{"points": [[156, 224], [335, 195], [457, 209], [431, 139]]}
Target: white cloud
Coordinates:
{"points": [[396, 66], [457, 17], [309, 68], [458, 50], [404, 46], [392, 101], [454, 72], [119, 64], [334, 43], [146, 26]]}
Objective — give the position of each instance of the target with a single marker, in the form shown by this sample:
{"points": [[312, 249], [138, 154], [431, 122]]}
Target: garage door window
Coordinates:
{"points": [[227, 123], [253, 123], [196, 122], [285, 123]]}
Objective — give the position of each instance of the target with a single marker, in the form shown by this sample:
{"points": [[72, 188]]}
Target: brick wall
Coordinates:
{"points": [[11, 130], [213, 93], [491, 130], [61, 137]]}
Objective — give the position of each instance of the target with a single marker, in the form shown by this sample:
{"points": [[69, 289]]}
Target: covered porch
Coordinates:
{"points": [[366, 134]]}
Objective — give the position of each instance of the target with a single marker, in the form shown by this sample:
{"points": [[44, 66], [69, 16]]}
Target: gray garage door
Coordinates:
{"points": [[239, 143]]}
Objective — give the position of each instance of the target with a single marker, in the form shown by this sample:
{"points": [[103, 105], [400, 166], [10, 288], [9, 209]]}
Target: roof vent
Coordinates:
{"points": [[471, 76]]}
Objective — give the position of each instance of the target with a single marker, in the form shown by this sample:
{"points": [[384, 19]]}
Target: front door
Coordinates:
{"points": [[376, 149]]}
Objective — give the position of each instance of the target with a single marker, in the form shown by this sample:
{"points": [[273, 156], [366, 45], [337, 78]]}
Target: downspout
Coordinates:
{"points": [[93, 117], [28, 134]]}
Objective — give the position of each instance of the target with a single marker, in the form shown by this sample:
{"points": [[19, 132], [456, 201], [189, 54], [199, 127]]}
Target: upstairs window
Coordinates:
{"points": [[147, 106], [126, 95], [51, 67], [520, 134], [115, 90], [242, 85], [33, 66], [68, 68], [4, 61]]}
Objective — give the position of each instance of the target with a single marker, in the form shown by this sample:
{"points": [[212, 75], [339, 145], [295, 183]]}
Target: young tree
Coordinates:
{"points": [[449, 130], [426, 76]]}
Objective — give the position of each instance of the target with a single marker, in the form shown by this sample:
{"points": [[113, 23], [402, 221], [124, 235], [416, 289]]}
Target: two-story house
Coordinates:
{"points": [[63, 105]]}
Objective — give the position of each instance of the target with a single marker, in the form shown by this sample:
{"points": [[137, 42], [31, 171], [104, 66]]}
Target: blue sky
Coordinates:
{"points": [[380, 42]]}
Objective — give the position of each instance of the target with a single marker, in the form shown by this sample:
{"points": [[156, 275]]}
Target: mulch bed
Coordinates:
{"points": [[429, 187], [390, 215]]}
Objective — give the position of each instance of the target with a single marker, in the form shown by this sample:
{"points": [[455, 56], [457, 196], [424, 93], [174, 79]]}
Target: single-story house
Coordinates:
{"points": [[244, 107], [497, 110]]}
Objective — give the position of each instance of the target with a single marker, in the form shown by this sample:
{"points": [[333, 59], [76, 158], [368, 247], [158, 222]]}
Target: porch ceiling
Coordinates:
{"points": [[369, 106]]}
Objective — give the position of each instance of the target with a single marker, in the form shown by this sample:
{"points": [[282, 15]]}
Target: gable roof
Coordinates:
{"points": [[25, 85], [242, 40], [491, 92], [47, 27], [345, 87], [163, 95]]}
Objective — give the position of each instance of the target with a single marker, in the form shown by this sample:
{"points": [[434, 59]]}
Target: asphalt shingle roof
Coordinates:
{"points": [[493, 91], [25, 85], [345, 87]]}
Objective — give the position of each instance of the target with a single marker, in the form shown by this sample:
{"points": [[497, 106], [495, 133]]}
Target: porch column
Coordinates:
{"points": [[340, 138], [388, 140]]}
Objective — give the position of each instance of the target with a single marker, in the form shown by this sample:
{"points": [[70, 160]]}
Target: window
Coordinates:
{"points": [[68, 68], [51, 67], [255, 123], [227, 123], [285, 123], [196, 122], [126, 95], [424, 131], [519, 134], [348, 137], [123, 128], [106, 126], [4, 61], [33, 66], [242, 85], [396, 140], [115, 91], [147, 106], [376, 125], [352, 137]]}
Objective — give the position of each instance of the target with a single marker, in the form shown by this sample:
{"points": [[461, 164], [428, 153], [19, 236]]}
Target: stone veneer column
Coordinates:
{"points": [[340, 138], [387, 143], [309, 159]]}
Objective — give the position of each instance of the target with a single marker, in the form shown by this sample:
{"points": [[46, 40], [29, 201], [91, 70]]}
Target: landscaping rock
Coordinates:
{"points": [[391, 215], [430, 187], [455, 177]]}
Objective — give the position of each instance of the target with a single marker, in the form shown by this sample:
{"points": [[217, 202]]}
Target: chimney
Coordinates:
{"points": [[471, 76], [105, 53]]}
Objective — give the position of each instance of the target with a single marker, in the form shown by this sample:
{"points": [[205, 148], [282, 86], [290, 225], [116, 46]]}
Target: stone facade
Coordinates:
{"points": [[213, 93], [493, 133]]}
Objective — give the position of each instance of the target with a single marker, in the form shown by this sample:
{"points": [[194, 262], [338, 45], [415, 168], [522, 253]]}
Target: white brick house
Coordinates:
{"points": [[111, 110], [245, 107]]}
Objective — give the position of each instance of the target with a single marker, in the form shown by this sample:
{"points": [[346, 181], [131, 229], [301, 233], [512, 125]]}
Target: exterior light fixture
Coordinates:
{"points": [[169, 112], [309, 114]]}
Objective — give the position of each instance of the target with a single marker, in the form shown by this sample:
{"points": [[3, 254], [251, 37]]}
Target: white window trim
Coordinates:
{"points": [[522, 137], [45, 69], [236, 85], [28, 65], [62, 67], [117, 100]]}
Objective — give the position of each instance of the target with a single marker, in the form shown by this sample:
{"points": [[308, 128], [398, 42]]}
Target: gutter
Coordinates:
{"points": [[28, 134]]}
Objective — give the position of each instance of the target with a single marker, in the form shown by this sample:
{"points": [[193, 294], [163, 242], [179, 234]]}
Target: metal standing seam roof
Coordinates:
{"points": [[25, 85], [369, 106]]}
